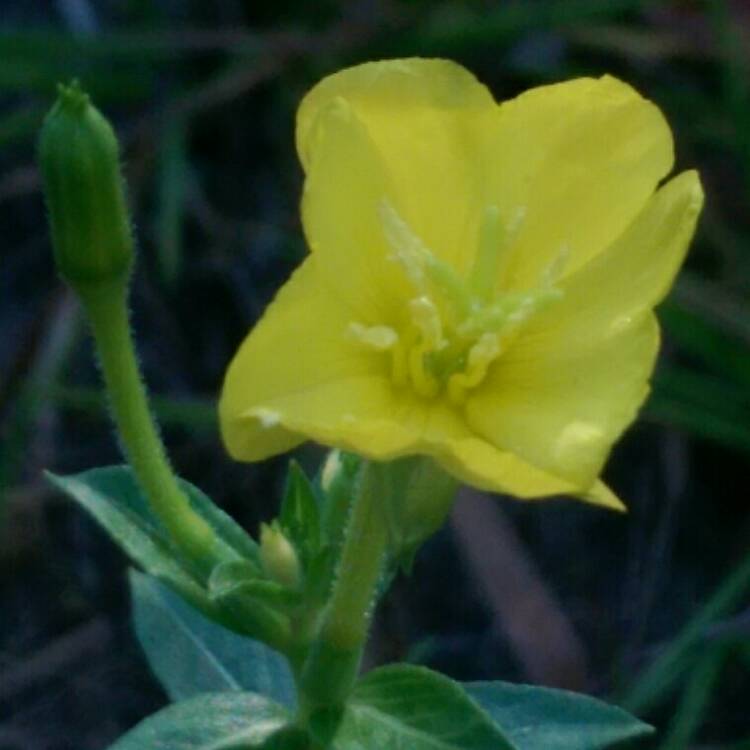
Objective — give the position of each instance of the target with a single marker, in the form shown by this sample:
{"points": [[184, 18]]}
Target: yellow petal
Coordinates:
{"points": [[300, 374], [425, 118], [578, 160], [629, 277], [633, 274], [578, 373], [602, 495], [341, 213], [298, 355], [562, 409]]}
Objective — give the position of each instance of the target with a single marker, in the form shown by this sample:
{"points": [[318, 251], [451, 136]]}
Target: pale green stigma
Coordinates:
{"points": [[453, 329]]}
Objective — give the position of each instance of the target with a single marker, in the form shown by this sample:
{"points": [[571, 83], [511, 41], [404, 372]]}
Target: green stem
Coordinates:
{"points": [[668, 668], [361, 564], [334, 660], [106, 306]]}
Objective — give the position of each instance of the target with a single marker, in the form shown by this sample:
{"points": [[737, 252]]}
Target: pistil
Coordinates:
{"points": [[454, 328]]}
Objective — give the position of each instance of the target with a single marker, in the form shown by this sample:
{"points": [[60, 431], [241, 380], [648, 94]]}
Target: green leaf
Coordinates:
{"points": [[536, 718], [190, 654], [289, 738], [707, 406], [299, 516], [659, 678], [696, 697], [703, 337], [411, 707], [228, 530], [319, 576], [111, 496], [213, 721], [224, 586]]}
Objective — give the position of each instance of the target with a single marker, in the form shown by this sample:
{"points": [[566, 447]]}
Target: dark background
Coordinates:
{"points": [[203, 96]]}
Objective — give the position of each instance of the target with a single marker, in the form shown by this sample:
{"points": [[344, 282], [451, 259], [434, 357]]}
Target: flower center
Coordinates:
{"points": [[453, 329]]}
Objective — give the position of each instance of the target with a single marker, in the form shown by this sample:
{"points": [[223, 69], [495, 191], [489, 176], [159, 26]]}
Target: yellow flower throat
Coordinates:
{"points": [[453, 329]]}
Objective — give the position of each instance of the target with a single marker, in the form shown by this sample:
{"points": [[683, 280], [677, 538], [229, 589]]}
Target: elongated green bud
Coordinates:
{"points": [[279, 558], [79, 159]]}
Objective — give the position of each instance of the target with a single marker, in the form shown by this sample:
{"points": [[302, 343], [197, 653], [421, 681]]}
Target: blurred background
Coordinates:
{"points": [[649, 609]]}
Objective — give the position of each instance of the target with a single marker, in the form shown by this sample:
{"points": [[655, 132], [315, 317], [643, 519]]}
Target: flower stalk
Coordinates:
{"points": [[335, 657], [106, 309], [93, 245]]}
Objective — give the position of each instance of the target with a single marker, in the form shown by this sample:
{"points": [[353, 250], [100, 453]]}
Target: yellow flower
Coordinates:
{"points": [[481, 278]]}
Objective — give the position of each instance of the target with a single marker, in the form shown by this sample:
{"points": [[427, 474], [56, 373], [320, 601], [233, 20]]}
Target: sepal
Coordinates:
{"points": [[299, 516], [80, 165]]}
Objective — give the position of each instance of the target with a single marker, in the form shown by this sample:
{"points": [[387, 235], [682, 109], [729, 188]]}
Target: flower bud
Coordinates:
{"points": [[420, 498], [279, 557], [78, 156]]}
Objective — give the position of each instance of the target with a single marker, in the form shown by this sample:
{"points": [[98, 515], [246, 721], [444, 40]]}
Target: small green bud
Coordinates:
{"points": [[79, 160], [279, 558], [418, 499]]}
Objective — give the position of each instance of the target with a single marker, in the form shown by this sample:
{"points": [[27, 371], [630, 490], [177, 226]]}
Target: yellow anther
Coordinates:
{"points": [[481, 356], [380, 338], [423, 382]]}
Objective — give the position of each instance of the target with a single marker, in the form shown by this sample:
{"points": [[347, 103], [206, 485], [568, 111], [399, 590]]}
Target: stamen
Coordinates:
{"points": [[408, 249], [494, 239], [533, 302], [424, 383], [491, 318], [426, 318], [419, 263], [455, 328], [400, 364], [452, 287], [556, 268], [380, 338], [481, 355]]}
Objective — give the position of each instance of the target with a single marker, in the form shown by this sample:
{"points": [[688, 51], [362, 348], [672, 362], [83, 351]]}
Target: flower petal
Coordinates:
{"points": [[578, 160], [577, 375], [635, 272], [299, 359], [345, 187], [425, 118], [480, 464], [562, 411]]}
